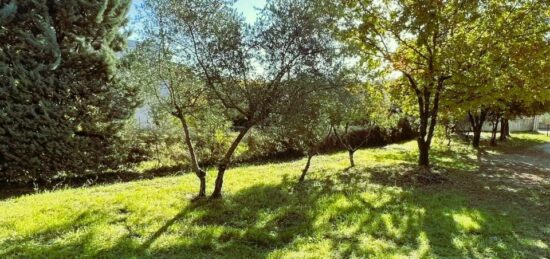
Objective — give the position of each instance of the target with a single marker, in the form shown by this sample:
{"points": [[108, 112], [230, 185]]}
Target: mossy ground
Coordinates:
{"points": [[492, 206]]}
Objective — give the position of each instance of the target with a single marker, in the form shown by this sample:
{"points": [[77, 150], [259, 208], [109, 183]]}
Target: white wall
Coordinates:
{"points": [[521, 124]]}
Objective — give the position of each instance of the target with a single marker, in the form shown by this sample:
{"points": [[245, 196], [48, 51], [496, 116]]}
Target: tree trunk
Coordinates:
{"points": [[504, 129], [477, 137], [477, 120], [494, 132], [306, 168], [201, 174], [424, 141], [351, 161], [217, 193], [448, 132], [428, 120], [424, 154], [224, 164]]}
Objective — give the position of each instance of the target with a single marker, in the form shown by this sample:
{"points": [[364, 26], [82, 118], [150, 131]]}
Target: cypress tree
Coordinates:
{"points": [[61, 103]]}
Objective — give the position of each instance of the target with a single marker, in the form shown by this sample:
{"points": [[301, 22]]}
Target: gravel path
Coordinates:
{"points": [[545, 148]]}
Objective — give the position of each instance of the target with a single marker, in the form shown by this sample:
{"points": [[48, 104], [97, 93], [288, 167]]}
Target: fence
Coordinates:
{"points": [[525, 124]]}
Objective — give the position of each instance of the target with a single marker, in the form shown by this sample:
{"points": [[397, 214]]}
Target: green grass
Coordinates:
{"points": [[482, 212]]}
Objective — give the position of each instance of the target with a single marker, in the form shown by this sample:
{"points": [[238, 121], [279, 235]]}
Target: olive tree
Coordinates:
{"points": [[172, 89], [246, 67], [352, 111], [304, 120]]}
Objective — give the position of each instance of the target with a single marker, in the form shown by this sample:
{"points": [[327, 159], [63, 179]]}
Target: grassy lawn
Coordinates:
{"points": [[492, 206]]}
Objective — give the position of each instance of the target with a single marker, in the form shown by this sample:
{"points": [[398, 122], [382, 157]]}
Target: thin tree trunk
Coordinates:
{"points": [[448, 132], [351, 161], [494, 132], [224, 164], [306, 168], [201, 174]]}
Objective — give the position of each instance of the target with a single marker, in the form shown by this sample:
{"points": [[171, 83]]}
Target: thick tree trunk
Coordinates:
{"points": [[201, 174], [224, 164], [306, 168], [477, 137], [504, 129], [428, 109], [428, 121], [424, 154], [477, 120], [351, 161], [424, 140]]}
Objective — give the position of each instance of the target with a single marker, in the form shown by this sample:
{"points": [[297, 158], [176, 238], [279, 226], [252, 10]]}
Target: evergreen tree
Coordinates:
{"points": [[61, 104]]}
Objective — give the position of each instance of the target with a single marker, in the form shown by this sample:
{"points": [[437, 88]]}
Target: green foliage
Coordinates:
{"points": [[483, 212], [495, 61], [61, 101], [412, 39], [453, 56]]}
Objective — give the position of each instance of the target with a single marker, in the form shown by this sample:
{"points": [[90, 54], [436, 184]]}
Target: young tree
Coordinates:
{"points": [[412, 38], [304, 120], [174, 89], [246, 67], [307, 127], [310, 132], [351, 110]]}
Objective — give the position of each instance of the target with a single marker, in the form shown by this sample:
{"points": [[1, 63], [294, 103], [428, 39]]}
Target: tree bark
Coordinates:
{"points": [[351, 161], [504, 129], [477, 138], [428, 110], [424, 154], [448, 132], [477, 120], [424, 140], [495, 131], [201, 174], [306, 168], [428, 120], [225, 162]]}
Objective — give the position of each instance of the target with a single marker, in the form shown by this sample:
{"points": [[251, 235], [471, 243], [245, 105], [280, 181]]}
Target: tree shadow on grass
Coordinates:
{"points": [[14, 190], [464, 218], [355, 212], [42, 243], [249, 223], [345, 210], [461, 218]]}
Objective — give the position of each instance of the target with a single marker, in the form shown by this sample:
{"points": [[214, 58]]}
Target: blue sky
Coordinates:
{"points": [[244, 6]]}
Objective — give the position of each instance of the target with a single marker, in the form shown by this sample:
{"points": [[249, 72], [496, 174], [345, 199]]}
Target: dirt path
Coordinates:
{"points": [[536, 157], [545, 148], [523, 170]]}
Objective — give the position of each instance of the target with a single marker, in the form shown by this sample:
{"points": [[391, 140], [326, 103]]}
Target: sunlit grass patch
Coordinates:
{"points": [[338, 212]]}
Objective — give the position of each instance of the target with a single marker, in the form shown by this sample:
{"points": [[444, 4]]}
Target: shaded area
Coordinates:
{"points": [[486, 209], [11, 190]]}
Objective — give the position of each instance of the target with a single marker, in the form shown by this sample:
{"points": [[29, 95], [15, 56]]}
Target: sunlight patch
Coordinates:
{"points": [[466, 222]]}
